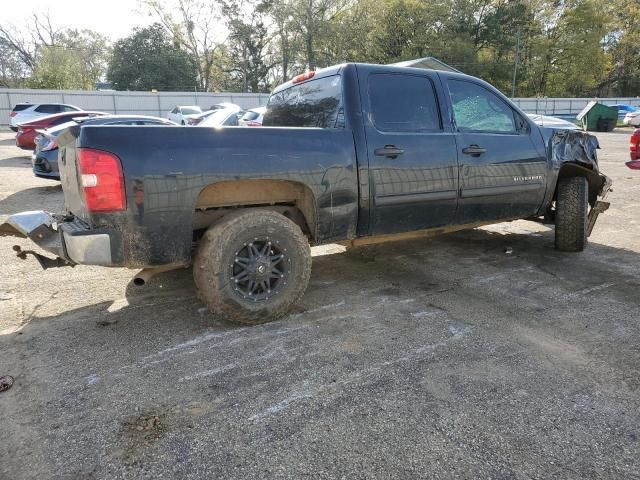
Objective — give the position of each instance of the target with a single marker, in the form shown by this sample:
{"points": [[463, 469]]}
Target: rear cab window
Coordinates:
{"points": [[403, 103], [314, 103]]}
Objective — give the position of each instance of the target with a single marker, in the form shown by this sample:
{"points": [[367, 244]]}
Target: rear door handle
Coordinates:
{"points": [[389, 151], [474, 150]]}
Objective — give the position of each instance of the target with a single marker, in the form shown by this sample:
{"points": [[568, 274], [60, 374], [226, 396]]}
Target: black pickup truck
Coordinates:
{"points": [[353, 153]]}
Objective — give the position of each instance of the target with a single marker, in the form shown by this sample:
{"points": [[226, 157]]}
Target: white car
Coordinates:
{"points": [[632, 118], [197, 118], [552, 122], [253, 117], [179, 113], [27, 112], [221, 105], [225, 117]]}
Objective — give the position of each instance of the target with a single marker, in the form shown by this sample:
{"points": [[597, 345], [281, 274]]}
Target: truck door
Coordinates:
{"points": [[502, 174], [413, 171]]}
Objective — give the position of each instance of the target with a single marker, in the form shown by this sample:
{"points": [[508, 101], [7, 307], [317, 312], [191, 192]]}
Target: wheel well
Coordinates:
{"points": [[292, 199], [576, 170]]}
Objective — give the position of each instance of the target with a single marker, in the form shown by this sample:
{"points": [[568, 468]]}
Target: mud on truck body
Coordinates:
{"points": [[350, 154]]}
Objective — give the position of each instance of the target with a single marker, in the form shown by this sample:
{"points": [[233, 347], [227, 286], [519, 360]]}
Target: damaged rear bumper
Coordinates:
{"points": [[69, 240]]}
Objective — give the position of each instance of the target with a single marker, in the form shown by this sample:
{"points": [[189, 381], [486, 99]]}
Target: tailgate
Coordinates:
{"points": [[68, 165]]}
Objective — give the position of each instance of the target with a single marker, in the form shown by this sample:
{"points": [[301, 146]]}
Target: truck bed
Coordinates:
{"points": [[166, 169]]}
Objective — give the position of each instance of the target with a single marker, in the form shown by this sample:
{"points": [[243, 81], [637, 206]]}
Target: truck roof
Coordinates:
{"points": [[397, 67]]}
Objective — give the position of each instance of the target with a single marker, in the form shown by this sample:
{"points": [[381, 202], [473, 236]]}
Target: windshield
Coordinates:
{"points": [[316, 103]]}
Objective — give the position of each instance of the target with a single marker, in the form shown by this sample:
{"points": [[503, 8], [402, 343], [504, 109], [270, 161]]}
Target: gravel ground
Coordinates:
{"points": [[442, 358]]}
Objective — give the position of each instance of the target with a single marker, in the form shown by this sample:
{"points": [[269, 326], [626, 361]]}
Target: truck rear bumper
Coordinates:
{"points": [[71, 242]]}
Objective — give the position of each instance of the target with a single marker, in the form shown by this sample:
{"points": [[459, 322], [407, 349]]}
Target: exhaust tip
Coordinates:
{"points": [[139, 281]]}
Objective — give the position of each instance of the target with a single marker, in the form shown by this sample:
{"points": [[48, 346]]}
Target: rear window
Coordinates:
{"points": [[316, 103], [250, 116], [21, 106], [59, 121], [190, 110], [218, 118]]}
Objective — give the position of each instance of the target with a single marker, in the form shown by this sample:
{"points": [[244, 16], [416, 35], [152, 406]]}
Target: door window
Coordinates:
{"points": [[403, 103], [46, 108], [476, 109]]}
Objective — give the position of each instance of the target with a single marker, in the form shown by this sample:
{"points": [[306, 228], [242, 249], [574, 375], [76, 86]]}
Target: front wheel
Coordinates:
{"points": [[572, 204], [252, 266]]}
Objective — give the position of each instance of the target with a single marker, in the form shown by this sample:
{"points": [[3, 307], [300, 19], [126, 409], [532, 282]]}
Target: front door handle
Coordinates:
{"points": [[474, 150], [389, 151]]}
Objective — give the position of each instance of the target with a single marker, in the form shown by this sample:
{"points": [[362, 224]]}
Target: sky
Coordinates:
{"points": [[113, 18]]}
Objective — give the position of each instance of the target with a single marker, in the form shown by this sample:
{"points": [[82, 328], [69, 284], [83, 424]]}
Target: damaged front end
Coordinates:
{"points": [[574, 153], [41, 228]]}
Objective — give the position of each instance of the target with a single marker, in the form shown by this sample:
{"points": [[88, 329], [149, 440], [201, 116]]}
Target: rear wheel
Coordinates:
{"points": [[252, 266], [572, 204]]}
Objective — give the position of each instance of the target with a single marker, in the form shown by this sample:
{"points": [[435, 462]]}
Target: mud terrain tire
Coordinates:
{"points": [[257, 246], [572, 203]]}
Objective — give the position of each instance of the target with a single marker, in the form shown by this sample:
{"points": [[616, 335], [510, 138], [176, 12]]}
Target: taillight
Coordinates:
{"points": [[634, 145], [102, 180], [303, 76], [13, 114], [51, 145]]}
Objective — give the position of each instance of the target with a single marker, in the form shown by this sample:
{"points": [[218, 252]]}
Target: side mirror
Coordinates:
{"points": [[634, 164]]}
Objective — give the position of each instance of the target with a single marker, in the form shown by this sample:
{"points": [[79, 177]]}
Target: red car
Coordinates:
{"points": [[27, 131], [634, 150]]}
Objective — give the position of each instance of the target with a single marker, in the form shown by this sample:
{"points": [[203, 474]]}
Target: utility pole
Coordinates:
{"points": [[515, 65]]}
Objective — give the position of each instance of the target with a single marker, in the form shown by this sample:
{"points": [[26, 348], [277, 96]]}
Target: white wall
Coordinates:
{"points": [[143, 103], [159, 104], [567, 106]]}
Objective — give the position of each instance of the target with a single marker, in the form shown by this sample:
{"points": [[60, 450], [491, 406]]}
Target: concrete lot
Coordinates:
{"points": [[443, 358]]}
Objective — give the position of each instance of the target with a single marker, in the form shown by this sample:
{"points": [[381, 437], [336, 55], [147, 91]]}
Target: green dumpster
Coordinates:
{"points": [[598, 117]]}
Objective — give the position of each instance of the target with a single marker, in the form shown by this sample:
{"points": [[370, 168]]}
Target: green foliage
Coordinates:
{"points": [[248, 46], [13, 72], [76, 61], [149, 59], [554, 47]]}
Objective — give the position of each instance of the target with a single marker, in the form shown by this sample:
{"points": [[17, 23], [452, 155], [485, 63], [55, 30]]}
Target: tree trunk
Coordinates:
{"points": [[284, 44], [309, 37]]}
